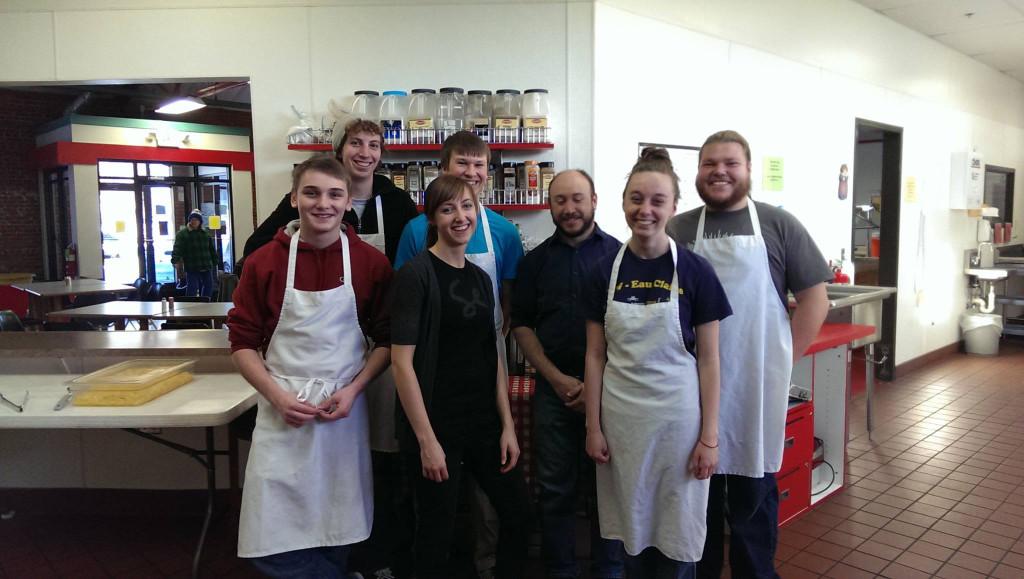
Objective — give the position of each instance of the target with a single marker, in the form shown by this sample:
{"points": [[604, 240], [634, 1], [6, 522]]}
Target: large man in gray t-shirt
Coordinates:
{"points": [[759, 254]]}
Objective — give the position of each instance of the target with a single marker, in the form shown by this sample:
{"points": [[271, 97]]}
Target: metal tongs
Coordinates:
{"points": [[18, 407], [64, 400]]}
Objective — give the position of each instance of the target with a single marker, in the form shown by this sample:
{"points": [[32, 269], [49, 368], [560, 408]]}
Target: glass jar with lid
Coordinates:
{"points": [[506, 116], [478, 113], [451, 110], [420, 119]]}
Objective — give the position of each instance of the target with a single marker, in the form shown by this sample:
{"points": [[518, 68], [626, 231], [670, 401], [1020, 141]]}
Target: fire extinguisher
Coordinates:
{"points": [[70, 261]]}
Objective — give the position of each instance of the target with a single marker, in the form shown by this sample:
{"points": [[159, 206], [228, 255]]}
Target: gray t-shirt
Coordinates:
{"points": [[795, 261]]}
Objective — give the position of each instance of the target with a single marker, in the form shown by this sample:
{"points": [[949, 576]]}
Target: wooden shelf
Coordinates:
{"points": [[428, 147]]}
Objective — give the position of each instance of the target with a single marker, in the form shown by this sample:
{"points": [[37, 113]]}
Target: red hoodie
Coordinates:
{"points": [[260, 292]]}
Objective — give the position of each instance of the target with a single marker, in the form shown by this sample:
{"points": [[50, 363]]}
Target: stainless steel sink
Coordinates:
{"points": [[858, 304]]}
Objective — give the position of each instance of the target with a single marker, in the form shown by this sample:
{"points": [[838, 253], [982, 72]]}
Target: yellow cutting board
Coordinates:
{"points": [[131, 397]]}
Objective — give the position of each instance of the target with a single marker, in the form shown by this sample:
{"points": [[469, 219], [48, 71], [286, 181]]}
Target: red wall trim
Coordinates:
{"points": [[66, 153]]}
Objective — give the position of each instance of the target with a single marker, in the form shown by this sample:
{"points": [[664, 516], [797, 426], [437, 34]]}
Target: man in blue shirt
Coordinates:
{"points": [[549, 323], [467, 156]]}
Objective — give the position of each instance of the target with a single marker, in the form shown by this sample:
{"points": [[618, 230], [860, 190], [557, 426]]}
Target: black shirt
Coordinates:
{"points": [[398, 210], [465, 404], [549, 292]]}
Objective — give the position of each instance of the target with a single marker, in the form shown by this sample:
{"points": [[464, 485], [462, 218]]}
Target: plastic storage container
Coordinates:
{"points": [[419, 122], [981, 332], [478, 113], [451, 110], [366, 104], [506, 109], [131, 383], [393, 109], [535, 115]]}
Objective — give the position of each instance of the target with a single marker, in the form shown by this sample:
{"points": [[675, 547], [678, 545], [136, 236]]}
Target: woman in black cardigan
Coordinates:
{"points": [[453, 387]]}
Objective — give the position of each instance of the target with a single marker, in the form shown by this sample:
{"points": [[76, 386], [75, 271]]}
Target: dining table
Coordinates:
{"points": [[48, 296]]}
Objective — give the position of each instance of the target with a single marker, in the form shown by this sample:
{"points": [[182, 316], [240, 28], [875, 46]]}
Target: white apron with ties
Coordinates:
{"points": [[650, 415], [489, 263], [310, 486], [756, 350], [380, 392]]}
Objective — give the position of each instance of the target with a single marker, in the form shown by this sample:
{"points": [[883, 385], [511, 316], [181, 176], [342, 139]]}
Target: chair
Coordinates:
{"points": [[9, 322], [173, 325], [226, 287]]}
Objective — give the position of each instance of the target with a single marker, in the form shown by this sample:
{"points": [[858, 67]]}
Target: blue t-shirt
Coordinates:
{"points": [[508, 249], [648, 281]]}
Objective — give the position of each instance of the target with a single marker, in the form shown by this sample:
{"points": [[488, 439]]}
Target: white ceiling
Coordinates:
{"points": [[991, 31]]}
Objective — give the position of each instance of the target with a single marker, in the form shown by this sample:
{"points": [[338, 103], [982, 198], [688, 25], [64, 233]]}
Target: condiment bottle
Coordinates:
{"points": [[392, 115], [451, 110], [547, 174]]}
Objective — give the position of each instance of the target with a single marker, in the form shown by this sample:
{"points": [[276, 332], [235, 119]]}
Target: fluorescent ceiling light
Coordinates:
{"points": [[181, 105]]}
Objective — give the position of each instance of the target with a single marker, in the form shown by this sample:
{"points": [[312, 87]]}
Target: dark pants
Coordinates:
{"points": [[199, 283], [563, 469], [751, 506], [653, 564], [436, 507], [319, 562], [390, 542]]}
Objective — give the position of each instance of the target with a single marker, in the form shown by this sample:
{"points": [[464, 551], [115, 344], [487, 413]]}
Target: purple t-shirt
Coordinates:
{"points": [[648, 281]]}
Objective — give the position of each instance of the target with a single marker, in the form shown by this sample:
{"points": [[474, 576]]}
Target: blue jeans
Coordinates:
{"points": [[751, 506], [199, 283], [317, 562], [563, 469], [653, 564]]}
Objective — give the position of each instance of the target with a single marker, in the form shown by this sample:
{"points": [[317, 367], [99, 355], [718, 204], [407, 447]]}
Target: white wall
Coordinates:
{"points": [[304, 55], [793, 77]]}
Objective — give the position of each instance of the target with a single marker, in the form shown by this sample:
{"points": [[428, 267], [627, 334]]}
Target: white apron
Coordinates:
{"points": [[310, 486], [756, 348], [380, 393], [489, 263], [650, 415]]}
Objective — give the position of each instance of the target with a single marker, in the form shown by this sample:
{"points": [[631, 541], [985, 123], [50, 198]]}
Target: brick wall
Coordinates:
{"points": [[21, 113]]}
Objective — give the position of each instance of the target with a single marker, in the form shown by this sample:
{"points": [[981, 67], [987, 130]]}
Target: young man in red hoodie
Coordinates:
{"points": [[297, 335]]}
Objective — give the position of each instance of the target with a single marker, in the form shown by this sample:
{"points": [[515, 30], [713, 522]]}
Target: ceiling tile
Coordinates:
{"points": [[947, 16], [987, 40], [1017, 74], [1018, 4]]}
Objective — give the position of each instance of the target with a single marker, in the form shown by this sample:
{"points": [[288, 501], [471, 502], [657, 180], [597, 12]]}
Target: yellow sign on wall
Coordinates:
{"points": [[215, 222], [119, 226], [910, 190], [772, 174]]}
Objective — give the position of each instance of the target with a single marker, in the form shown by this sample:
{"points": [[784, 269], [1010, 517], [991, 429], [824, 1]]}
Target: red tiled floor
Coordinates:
{"points": [[938, 489]]}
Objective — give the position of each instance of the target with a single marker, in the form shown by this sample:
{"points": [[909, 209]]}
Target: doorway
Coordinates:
{"points": [[143, 205], [877, 170]]}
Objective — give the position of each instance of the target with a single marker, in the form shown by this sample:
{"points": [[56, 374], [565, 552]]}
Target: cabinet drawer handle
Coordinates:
{"points": [[784, 495], [789, 442]]}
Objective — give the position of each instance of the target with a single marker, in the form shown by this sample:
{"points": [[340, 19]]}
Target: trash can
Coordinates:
{"points": [[981, 332]]}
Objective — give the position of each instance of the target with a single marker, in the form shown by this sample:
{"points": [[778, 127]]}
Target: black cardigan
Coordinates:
{"points": [[398, 210], [416, 309]]}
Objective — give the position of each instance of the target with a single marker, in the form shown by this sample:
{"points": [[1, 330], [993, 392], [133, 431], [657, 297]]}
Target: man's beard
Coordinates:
{"points": [[740, 190]]}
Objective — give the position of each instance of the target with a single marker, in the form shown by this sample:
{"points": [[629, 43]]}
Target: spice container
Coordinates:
{"points": [[506, 116], [398, 175], [535, 115], [547, 174], [393, 108], [430, 172], [489, 190], [451, 111], [414, 178], [419, 122], [508, 184], [478, 113]]}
